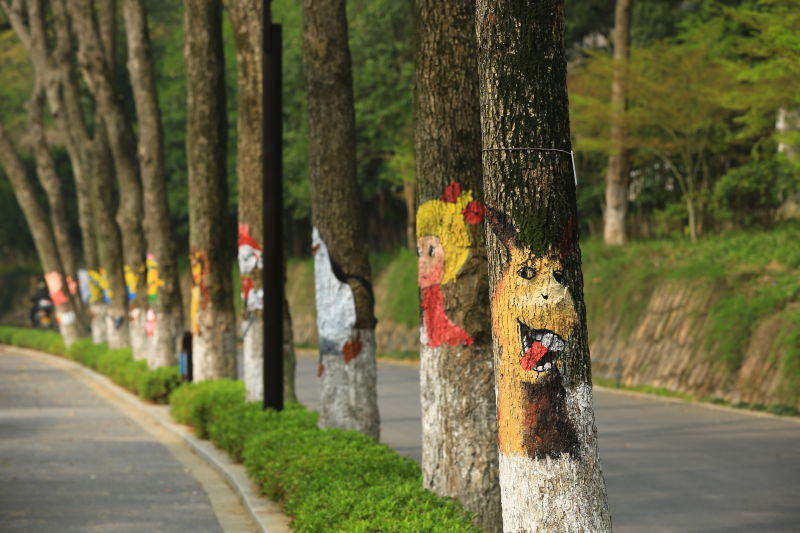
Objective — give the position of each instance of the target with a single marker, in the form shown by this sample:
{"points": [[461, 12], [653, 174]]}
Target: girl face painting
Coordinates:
{"points": [[430, 261]]}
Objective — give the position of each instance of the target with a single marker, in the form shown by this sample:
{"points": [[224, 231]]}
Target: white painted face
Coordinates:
{"points": [[249, 259]]}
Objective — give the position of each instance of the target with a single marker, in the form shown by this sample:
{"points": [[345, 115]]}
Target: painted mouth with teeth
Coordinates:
{"points": [[540, 348]]}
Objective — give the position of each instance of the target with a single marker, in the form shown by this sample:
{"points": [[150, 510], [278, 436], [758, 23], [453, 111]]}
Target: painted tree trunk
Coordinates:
{"points": [[110, 300], [212, 316], [43, 238], [617, 176], [550, 474], [344, 298], [96, 59], [246, 22], [459, 429], [164, 314]]}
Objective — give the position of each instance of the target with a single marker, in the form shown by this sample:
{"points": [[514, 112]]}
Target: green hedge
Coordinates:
{"points": [[328, 480], [118, 365]]}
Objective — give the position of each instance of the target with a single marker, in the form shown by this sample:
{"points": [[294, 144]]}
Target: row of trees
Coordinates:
{"points": [[682, 123], [497, 233]]}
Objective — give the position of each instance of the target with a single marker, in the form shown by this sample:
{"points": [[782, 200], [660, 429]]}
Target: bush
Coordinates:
{"points": [[156, 385], [329, 480], [749, 194], [196, 404], [118, 365], [45, 341]]}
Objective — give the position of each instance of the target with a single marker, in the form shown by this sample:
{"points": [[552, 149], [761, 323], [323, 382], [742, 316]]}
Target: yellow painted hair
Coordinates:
{"points": [[446, 221]]}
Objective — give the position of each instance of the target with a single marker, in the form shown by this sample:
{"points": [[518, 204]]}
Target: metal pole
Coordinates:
{"points": [[272, 141]]}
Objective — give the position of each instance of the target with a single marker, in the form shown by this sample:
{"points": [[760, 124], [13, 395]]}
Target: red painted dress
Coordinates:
{"points": [[438, 328]]}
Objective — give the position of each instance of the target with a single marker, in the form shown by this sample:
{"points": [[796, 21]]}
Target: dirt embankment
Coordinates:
{"points": [[668, 348]]}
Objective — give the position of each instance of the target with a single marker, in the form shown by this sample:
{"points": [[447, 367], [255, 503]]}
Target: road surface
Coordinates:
{"points": [[670, 466], [72, 461]]}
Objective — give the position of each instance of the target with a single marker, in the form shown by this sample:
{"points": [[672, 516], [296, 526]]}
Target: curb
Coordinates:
{"points": [[266, 514]]}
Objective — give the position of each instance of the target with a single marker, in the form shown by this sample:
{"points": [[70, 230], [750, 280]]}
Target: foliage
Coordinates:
{"points": [[749, 195], [45, 341], [197, 404], [328, 480]]}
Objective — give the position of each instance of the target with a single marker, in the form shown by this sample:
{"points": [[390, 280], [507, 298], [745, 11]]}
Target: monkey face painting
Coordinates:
{"points": [[533, 319], [535, 315]]}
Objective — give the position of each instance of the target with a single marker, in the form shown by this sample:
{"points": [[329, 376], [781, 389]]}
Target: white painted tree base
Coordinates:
{"points": [[206, 364], [253, 358], [117, 337], [459, 434], [163, 345], [564, 495], [98, 323], [348, 399], [140, 343]]}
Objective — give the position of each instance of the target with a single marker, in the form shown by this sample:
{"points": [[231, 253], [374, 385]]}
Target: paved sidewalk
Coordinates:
{"points": [[72, 461]]}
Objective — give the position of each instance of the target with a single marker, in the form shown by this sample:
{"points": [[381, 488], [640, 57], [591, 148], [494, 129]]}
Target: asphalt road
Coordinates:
{"points": [[670, 466], [72, 462]]}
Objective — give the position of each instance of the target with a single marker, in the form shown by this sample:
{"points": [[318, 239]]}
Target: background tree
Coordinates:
{"points": [[96, 33], [212, 315], [344, 297], [39, 224], [550, 475], [165, 314], [459, 448], [618, 158]]}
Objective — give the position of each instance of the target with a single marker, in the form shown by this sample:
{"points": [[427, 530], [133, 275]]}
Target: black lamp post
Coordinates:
{"points": [[272, 141]]}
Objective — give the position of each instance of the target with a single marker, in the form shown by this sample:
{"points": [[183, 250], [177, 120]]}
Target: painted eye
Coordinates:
{"points": [[419, 251], [526, 272], [558, 275], [430, 251]]}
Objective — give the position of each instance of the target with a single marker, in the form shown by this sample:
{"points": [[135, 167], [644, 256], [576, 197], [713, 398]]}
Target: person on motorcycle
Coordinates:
{"points": [[41, 314]]}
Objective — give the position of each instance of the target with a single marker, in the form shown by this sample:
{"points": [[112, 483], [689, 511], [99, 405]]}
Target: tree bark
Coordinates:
{"points": [[617, 176], [410, 197], [344, 298], [459, 448], [246, 22], [51, 183], [164, 320], [43, 238], [111, 300], [550, 474], [212, 315], [96, 59]]}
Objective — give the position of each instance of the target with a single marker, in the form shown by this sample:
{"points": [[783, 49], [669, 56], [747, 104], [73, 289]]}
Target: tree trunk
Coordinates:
{"points": [[617, 176], [550, 474], [110, 303], [409, 195], [289, 358], [51, 183], [164, 320], [212, 315], [459, 448], [95, 56], [344, 298], [246, 22], [39, 223]]}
